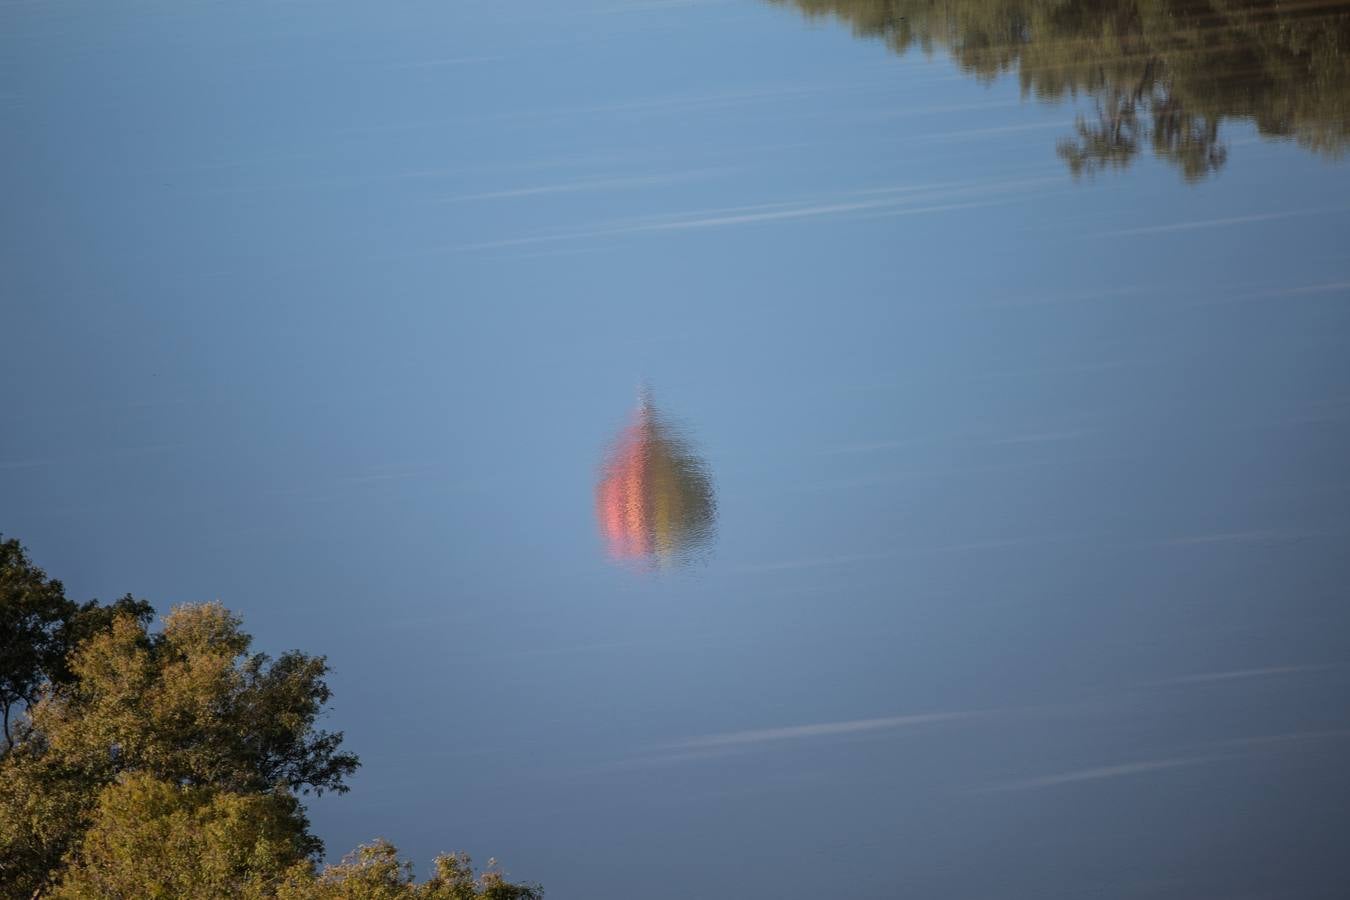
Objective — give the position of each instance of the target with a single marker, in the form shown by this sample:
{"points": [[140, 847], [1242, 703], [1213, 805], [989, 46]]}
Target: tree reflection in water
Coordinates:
{"points": [[1160, 73]]}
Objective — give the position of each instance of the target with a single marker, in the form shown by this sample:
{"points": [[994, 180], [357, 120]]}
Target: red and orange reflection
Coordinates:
{"points": [[655, 499]]}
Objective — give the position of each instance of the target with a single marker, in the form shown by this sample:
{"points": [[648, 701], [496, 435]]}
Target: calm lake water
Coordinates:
{"points": [[725, 449]]}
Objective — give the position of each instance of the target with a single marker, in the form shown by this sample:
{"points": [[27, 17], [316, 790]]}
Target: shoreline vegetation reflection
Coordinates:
{"points": [[655, 500], [1160, 74]]}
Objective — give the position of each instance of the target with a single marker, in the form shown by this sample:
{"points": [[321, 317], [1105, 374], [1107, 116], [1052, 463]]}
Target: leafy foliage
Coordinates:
{"points": [[154, 839], [1160, 73], [151, 838], [171, 764], [189, 707], [38, 629], [375, 872]]}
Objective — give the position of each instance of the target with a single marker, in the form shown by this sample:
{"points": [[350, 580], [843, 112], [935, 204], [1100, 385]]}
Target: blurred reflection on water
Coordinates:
{"points": [[655, 498], [1159, 73]]}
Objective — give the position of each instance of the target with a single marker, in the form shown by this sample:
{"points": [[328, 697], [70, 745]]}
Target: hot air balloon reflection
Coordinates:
{"points": [[655, 498]]}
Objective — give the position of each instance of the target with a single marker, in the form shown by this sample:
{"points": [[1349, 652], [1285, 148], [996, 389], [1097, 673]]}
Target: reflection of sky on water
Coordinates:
{"points": [[1033, 503], [655, 498]]}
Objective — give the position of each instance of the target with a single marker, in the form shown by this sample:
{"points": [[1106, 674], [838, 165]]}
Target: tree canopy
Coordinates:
{"points": [[172, 764], [39, 628], [1162, 74]]}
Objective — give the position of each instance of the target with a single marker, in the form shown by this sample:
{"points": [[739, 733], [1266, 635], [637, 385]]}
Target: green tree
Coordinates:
{"points": [[375, 872], [171, 764], [190, 707], [154, 839], [38, 629]]}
